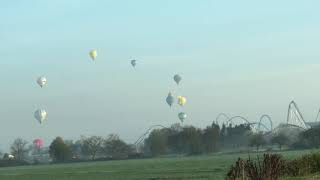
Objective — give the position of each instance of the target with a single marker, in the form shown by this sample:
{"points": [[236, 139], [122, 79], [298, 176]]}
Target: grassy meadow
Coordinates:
{"points": [[213, 166]]}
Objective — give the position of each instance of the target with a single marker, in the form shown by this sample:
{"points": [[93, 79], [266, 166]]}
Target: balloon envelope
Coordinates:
{"points": [[40, 115], [170, 99], [182, 116], [42, 81], [38, 143], [134, 63], [182, 100], [93, 54], [177, 78]]}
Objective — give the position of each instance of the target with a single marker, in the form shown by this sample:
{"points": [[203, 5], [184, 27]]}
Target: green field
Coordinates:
{"points": [[197, 167]]}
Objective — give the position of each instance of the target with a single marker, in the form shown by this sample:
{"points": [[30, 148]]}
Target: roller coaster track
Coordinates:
{"points": [[284, 126], [295, 115], [265, 116], [259, 123], [294, 119], [222, 115], [317, 116], [143, 136], [291, 125]]}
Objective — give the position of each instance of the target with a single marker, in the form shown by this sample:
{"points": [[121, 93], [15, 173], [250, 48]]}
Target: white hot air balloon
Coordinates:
{"points": [[40, 115], [133, 63], [93, 54], [177, 78], [170, 99], [42, 81], [182, 116]]}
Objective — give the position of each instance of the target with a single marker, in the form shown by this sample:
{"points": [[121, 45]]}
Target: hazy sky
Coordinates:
{"points": [[239, 57]]}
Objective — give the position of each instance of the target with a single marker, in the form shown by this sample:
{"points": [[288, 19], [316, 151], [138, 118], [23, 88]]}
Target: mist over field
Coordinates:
{"points": [[159, 90]]}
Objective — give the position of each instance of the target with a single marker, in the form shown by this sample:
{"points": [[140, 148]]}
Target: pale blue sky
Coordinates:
{"points": [[239, 57]]}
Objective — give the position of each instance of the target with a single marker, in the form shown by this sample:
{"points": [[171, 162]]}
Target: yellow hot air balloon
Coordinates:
{"points": [[93, 54], [182, 100]]}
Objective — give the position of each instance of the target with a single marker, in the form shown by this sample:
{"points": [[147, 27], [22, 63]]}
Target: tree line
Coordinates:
{"points": [[191, 140], [177, 139], [60, 150]]}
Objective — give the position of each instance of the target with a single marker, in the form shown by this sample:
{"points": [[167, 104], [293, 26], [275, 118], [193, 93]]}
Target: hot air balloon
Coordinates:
{"points": [[93, 54], [177, 78], [170, 99], [182, 100], [42, 81], [134, 62], [40, 115], [38, 143], [182, 116]]}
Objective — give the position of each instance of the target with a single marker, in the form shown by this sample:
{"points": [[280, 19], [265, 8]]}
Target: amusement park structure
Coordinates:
{"points": [[147, 132], [257, 125], [295, 117], [294, 120]]}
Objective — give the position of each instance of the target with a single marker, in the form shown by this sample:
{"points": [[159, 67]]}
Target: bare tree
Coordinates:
{"points": [[19, 148], [91, 145]]}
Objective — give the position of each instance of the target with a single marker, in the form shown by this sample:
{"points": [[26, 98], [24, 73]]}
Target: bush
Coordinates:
{"points": [[305, 165], [273, 166], [292, 168], [236, 170], [270, 168], [10, 163]]}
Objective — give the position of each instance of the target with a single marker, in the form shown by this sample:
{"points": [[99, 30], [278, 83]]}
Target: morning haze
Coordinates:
{"points": [[242, 58]]}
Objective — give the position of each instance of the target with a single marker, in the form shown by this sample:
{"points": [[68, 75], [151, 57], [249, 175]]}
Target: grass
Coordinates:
{"points": [[310, 177], [197, 167]]}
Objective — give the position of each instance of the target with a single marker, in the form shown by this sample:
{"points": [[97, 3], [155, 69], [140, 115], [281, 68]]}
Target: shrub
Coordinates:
{"points": [[292, 168], [236, 170], [270, 168], [304, 165], [10, 163], [273, 166]]}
